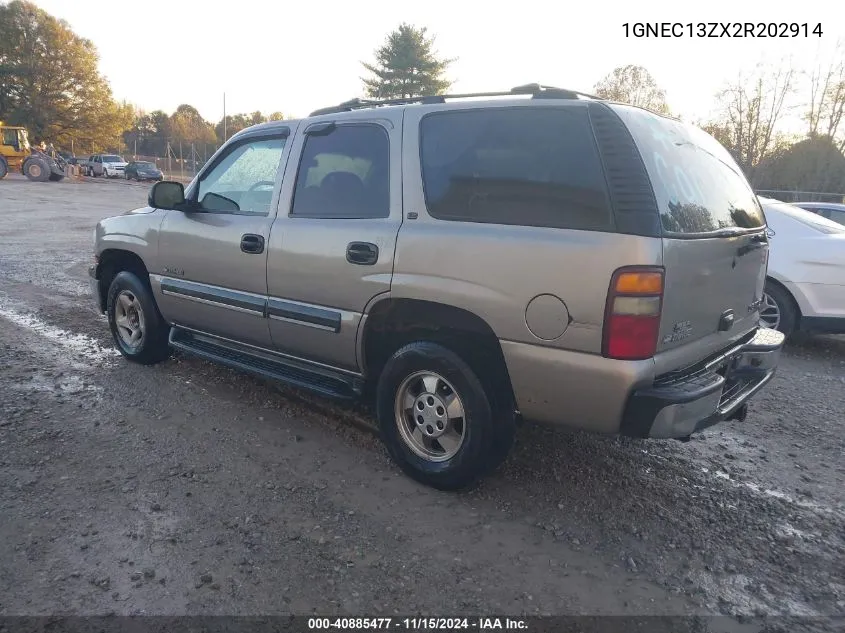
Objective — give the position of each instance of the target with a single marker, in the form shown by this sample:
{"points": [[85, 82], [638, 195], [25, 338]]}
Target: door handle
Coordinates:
{"points": [[362, 253], [251, 243]]}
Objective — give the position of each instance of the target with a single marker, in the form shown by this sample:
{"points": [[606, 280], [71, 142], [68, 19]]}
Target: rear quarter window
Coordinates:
{"points": [[698, 186], [526, 166]]}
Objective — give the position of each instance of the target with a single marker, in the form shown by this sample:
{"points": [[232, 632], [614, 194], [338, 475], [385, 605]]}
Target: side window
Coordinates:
{"points": [[527, 166], [344, 174], [10, 137], [243, 181], [837, 216]]}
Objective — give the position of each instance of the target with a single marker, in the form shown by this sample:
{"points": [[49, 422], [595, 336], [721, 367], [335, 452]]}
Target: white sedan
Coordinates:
{"points": [[805, 286]]}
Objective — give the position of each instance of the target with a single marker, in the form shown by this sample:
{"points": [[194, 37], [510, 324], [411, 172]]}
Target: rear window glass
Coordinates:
{"points": [[698, 186], [526, 166]]}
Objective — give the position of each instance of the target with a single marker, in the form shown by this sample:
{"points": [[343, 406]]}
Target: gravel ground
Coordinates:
{"points": [[187, 488]]}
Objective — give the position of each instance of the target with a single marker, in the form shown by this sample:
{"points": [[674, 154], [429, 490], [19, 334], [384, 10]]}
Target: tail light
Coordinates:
{"points": [[632, 315]]}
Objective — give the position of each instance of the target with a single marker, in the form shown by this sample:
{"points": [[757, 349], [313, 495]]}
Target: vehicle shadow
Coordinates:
{"points": [[818, 345]]}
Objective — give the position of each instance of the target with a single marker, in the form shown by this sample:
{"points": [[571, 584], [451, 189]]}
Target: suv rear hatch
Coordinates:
{"points": [[715, 246]]}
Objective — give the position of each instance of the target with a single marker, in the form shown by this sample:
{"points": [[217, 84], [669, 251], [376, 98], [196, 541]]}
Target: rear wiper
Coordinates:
{"points": [[729, 231]]}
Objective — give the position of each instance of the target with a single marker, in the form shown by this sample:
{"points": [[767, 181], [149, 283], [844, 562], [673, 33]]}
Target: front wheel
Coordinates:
{"points": [[36, 169], [136, 325], [437, 420]]}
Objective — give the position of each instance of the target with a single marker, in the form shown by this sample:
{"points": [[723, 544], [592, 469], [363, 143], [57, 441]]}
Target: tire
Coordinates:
{"points": [[36, 170], [4, 169], [778, 310], [430, 375], [130, 302]]}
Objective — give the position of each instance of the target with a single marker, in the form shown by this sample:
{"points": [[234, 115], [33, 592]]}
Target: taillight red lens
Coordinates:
{"points": [[632, 317], [632, 337]]}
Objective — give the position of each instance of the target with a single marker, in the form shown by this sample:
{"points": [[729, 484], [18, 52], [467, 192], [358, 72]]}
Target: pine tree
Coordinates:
{"points": [[407, 66]]}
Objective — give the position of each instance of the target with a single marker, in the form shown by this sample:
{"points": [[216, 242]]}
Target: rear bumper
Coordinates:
{"points": [[680, 404]]}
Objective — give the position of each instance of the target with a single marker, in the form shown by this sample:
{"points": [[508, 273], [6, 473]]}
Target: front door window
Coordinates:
{"points": [[242, 182]]}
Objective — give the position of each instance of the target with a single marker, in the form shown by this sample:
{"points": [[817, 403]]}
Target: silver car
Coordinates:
{"points": [[533, 254]]}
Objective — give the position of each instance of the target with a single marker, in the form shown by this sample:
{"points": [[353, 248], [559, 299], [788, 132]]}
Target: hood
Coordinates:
{"points": [[139, 211]]}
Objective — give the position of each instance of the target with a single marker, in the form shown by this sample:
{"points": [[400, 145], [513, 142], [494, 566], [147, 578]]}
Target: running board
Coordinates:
{"points": [[322, 380]]}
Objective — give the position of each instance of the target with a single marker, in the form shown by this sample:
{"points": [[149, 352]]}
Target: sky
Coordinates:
{"points": [[270, 55]]}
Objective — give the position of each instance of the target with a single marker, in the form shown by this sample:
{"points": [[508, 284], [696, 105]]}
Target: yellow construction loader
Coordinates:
{"points": [[17, 155]]}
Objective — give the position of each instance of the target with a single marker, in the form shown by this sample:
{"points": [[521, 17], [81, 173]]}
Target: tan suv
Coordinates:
{"points": [[535, 254]]}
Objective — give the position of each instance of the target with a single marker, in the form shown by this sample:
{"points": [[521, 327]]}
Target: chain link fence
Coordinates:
{"points": [[177, 162]]}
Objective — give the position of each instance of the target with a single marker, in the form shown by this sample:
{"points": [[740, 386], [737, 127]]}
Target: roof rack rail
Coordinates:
{"points": [[537, 91]]}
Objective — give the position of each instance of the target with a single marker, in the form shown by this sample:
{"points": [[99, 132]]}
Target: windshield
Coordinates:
{"points": [[145, 165], [112, 159], [698, 186], [24, 139]]}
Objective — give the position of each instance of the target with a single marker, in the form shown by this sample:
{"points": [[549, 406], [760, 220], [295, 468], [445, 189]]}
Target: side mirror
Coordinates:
{"points": [[167, 194]]}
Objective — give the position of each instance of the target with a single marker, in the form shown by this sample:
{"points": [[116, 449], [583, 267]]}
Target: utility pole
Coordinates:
{"points": [[181, 162]]}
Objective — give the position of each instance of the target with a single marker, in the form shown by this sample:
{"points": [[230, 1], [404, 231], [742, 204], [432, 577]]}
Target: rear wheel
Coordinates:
{"points": [[778, 310], [437, 419], [36, 169], [136, 325], [4, 168]]}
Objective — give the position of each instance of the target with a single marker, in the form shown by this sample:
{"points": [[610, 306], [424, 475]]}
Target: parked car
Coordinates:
{"points": [[829, 210], [106, 165], [465, 263], [805, 287], [142, 170]]}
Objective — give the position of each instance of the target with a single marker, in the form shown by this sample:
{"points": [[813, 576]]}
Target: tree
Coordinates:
{"points": [[406, 66], [634, 85], [187, 126], [814, 164], [237, 122], [826, 108], [50, 84], [750, 110]]}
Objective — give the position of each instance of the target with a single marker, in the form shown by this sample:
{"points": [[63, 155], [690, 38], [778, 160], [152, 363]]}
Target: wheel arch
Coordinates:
{"points": [[110, 262], [795, 303], [390, 323]]}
